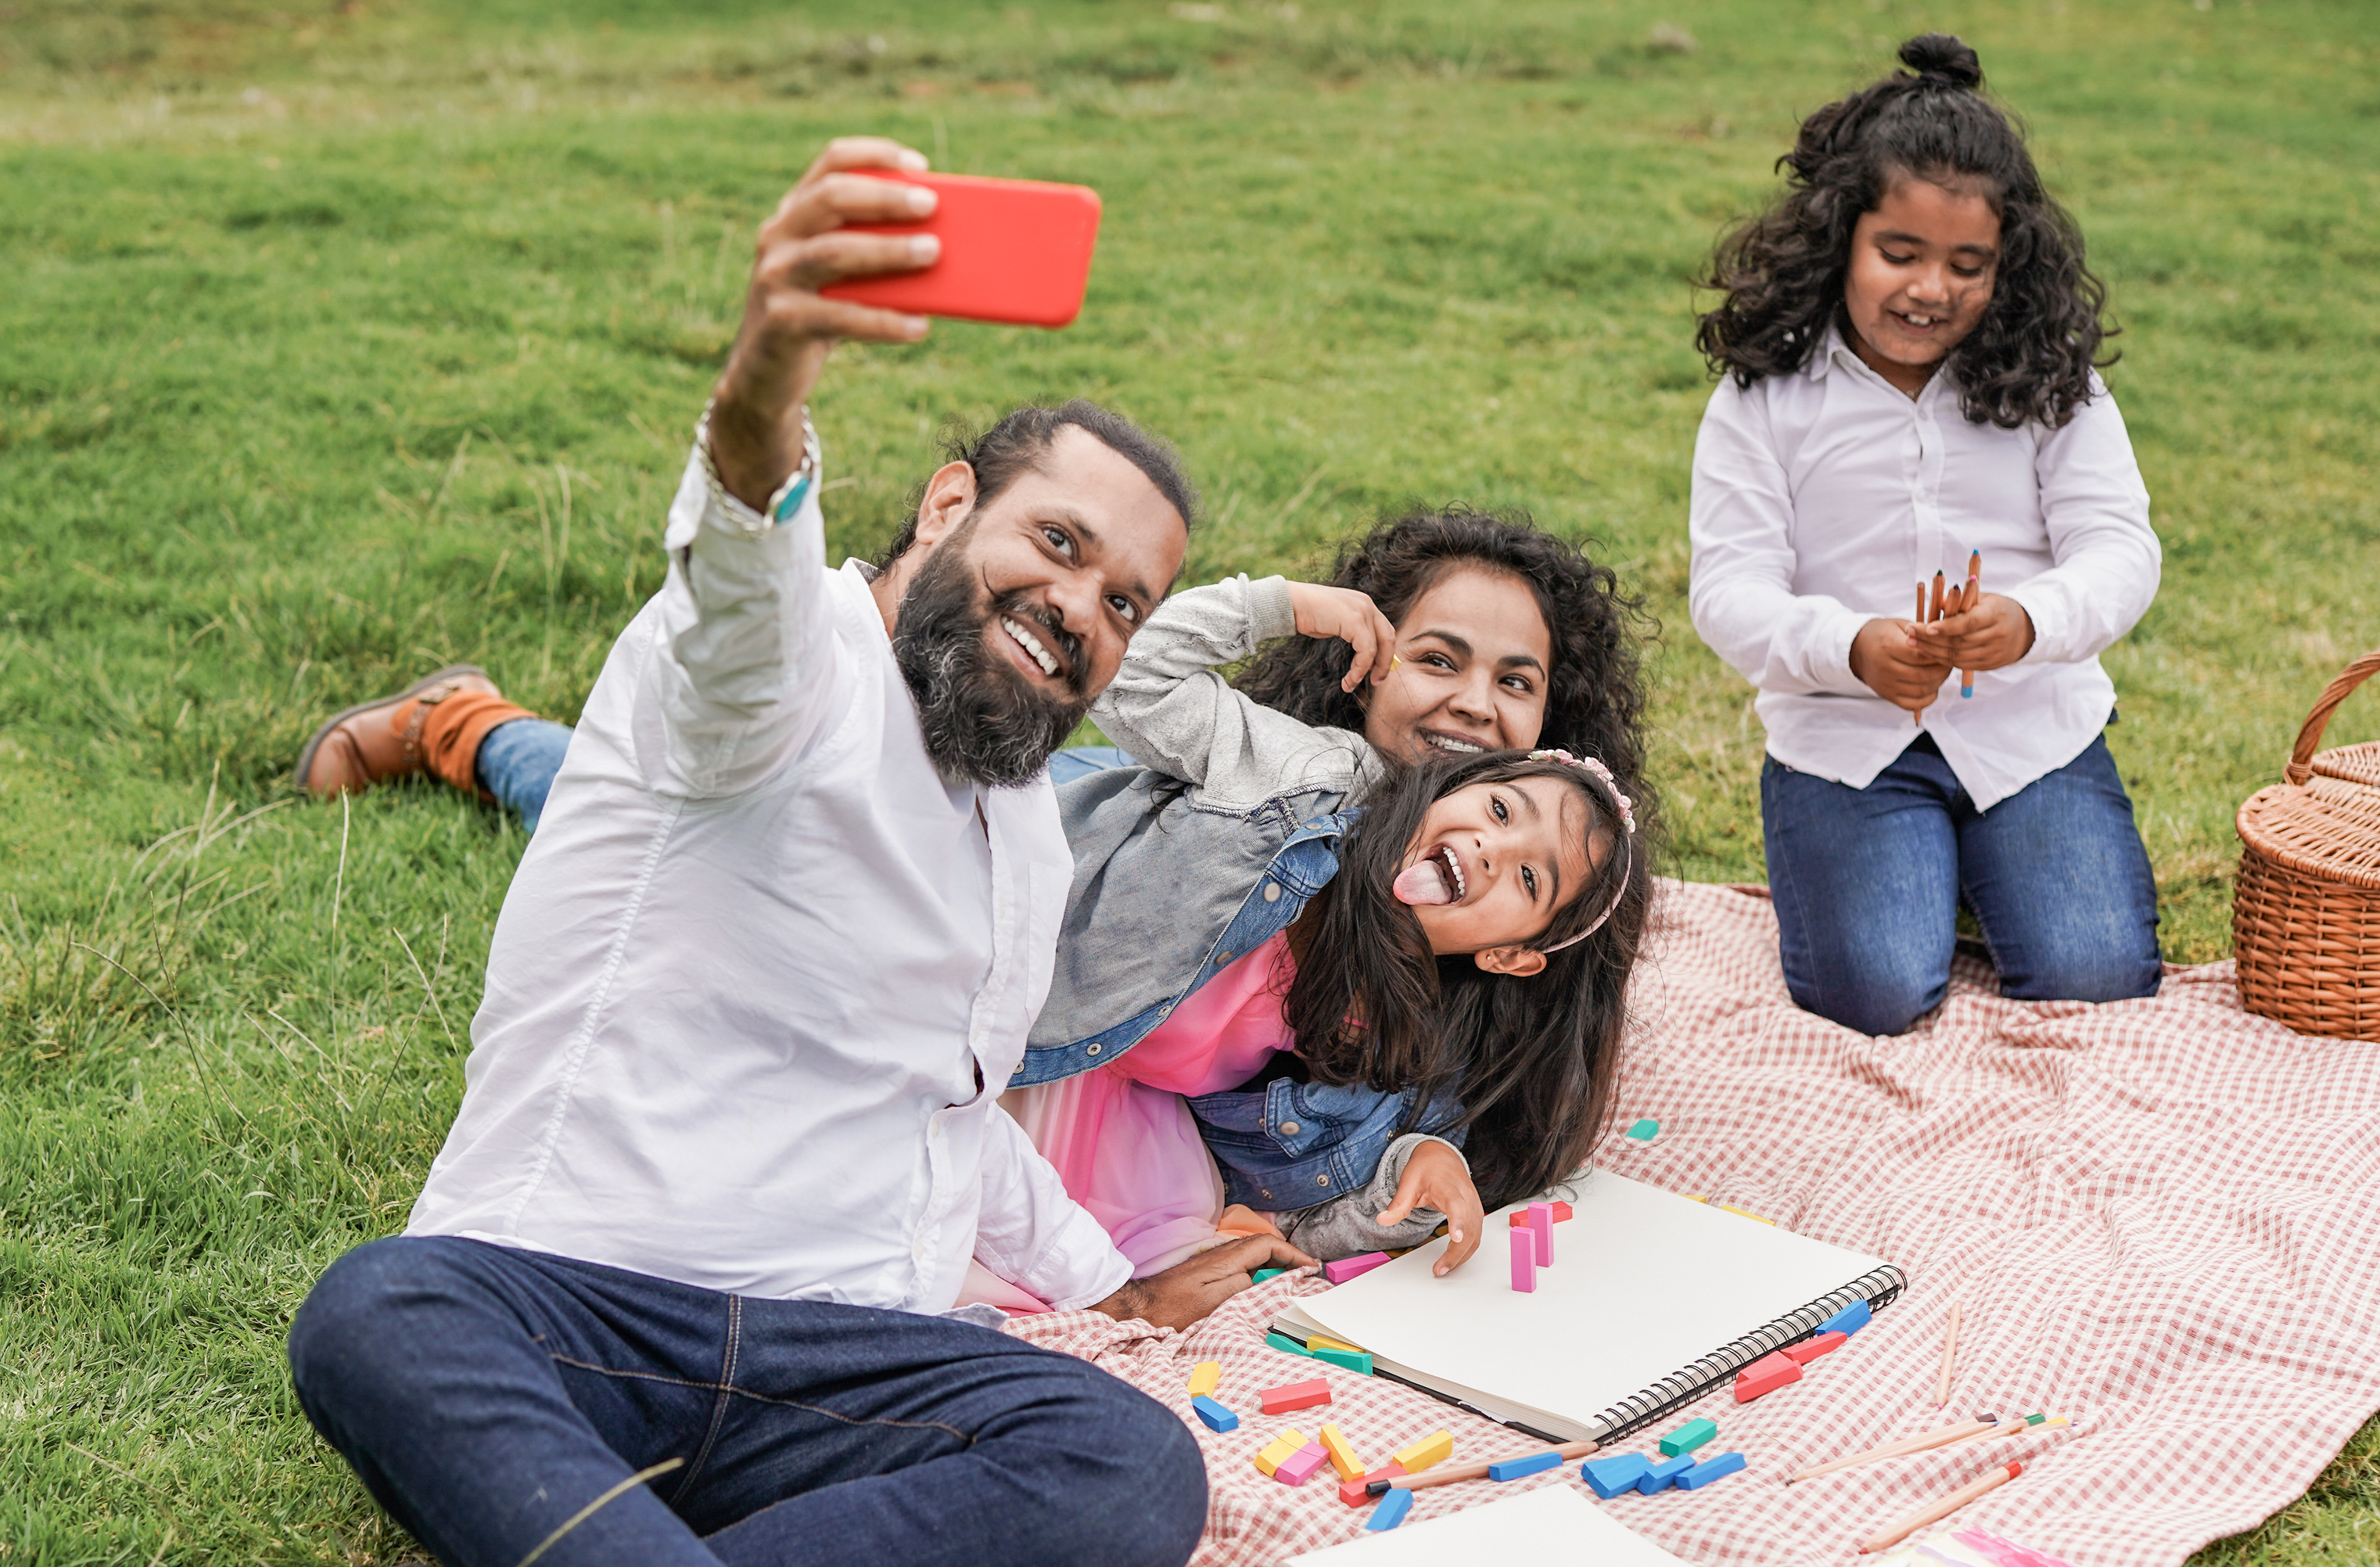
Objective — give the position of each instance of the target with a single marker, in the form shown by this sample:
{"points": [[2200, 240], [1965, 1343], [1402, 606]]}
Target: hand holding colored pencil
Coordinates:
{"points": [[1947, 600]]}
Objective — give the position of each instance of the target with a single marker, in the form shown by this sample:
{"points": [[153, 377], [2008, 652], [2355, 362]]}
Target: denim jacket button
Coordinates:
{"points": [[1322, 1180], [1289, 1128], [1272, 891], [1222, 956], [1090, 1049]]}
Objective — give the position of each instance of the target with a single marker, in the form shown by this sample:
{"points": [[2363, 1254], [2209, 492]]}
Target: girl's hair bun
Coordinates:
{"points": [[1940, 58]]}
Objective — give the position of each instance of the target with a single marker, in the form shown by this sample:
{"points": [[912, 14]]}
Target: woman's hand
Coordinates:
{"points": [[1891, 658], [1434, 1178], [1354, 620], [1993, 635]]}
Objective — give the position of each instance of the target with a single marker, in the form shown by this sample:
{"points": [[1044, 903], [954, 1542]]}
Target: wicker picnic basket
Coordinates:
{"points": [[2305, 914]]}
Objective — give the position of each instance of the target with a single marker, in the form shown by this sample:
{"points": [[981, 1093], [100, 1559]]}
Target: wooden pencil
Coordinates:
{"points": [[1894, 1533], [1949, 1358], [1942, 1436], [1918, 718], [1448, 1474], [1975, 591]]}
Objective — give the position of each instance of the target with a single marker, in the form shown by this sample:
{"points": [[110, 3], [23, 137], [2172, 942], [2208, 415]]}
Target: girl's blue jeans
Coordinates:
{"points": [[1868, 884], [486, 1396]]}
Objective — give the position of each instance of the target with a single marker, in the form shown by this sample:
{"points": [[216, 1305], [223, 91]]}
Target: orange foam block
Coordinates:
{"points": [[1764, 1375], [1342, 1457], [1294, 1395], [1809, 1350]]}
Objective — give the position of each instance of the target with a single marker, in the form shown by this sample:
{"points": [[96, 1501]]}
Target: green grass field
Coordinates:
{"points": [[335, 346]]}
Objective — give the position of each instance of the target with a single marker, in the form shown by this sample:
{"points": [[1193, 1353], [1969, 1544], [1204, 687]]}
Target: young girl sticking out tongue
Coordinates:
{"points": [[1907, 339], [1345, 991]]}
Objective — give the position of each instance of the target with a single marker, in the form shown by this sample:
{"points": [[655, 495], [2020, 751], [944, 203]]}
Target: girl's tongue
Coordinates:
{"points": [[1425, 882]]}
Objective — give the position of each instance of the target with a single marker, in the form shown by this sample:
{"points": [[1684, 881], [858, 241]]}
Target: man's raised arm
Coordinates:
{"points": [[745, 668]]}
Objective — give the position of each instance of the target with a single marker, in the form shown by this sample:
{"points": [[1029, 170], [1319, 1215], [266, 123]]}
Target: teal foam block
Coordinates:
{"points": [[1261, 1274], [1392, 1509], [1513, 1468], [1287, 1346], [1710, 1469], [1850, 1319], [1354, 1360], [1645, 1131], [1607, 1477], [1658, 1478], [1688, 1437], [1217, 1418]]}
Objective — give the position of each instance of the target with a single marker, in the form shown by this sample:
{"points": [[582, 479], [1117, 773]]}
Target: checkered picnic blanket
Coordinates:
{"points": [[2159, 1218]]}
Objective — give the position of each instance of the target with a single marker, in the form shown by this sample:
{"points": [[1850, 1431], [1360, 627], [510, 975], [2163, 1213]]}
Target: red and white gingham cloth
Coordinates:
{"points": [[2161, 1219]]}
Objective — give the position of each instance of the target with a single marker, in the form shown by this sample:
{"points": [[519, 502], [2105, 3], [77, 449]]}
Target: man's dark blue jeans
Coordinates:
{"points": [[488, 1396], [1868, 883]]}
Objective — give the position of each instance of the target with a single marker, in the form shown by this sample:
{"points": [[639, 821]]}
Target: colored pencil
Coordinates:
{"points": [[1975, 591], [1938, 595], [1940, 1437], [1918, 718], [1446, 1475], [1949, 1358], [1894, 1533]]}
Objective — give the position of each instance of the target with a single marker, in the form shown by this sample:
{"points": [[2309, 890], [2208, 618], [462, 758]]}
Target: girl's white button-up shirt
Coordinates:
{"points": [[1821, 497]]}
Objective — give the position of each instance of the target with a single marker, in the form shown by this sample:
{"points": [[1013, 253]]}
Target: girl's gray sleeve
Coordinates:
{"points": [[1343, 1227], [1172, 713]]}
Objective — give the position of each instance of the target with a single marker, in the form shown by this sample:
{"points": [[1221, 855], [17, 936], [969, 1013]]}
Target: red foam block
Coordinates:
{"points": [[1306, 1395], [1519, 1217], [1810, 1349], [1352, 1493], [1764, 1375]]}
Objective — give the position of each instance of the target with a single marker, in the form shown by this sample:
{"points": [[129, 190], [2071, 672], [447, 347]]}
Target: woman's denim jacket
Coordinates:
{"points": [[1197, 857]]}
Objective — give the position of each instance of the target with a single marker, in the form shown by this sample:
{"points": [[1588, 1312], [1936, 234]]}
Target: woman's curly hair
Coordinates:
{"points": [[1595, 693], [2028, 360]]}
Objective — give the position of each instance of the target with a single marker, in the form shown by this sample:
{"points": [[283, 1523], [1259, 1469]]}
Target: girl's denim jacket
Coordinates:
{"points": [[1206, 851]]}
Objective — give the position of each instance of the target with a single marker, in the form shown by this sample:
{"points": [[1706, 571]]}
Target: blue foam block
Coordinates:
{"points": [[1218, 1418], [1850, 1319], [1392, 1509], [1658, 1477], [1513, 1468], [1710, 1469], [1607, 1477]]}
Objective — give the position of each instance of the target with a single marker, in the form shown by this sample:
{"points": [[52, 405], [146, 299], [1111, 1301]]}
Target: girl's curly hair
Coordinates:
{"points": [[2029, 358], [1595, 693]]}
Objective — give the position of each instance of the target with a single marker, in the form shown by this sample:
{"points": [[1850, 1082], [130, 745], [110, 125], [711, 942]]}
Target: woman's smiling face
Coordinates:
{"points": [[1473, 658], [1493, 864], [1920, 277]]}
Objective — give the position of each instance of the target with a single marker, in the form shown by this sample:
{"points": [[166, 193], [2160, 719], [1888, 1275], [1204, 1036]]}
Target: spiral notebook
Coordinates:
{"points": [[1652, 1299]]}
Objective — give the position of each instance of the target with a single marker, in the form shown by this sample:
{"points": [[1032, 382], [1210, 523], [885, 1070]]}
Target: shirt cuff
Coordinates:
{"points": [[1831, 656], [1270, 613], [2042, 609]]}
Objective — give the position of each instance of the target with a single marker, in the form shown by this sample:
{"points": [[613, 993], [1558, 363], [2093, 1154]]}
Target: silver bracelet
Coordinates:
{"points": [[788, 498]]}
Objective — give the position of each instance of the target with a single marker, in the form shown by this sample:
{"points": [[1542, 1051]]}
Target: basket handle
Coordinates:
{"points": [[2300, 766]]}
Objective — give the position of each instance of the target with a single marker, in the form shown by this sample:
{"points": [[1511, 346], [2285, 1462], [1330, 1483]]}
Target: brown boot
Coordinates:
{"points": [[434, 725]]}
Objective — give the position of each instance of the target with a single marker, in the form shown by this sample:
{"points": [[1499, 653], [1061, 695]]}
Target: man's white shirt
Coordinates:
{"points": [[1820, 499], [761, 973]]}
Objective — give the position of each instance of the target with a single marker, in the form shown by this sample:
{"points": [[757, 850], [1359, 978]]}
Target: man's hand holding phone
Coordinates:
{"points": [[788, 329]]}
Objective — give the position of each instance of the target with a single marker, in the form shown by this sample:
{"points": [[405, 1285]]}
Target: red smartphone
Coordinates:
{"points": [[1013, 250]]}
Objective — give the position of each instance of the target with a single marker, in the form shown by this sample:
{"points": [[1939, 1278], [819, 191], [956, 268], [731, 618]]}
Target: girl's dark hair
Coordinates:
{"points": [[1531, 1058], [1595, 695], [2028, 360]]}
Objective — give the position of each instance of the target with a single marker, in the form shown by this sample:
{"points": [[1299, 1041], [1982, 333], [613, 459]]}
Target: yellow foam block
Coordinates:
{"points": [[1731, 1207], [1315, 1340], [1435, 1448], [1206, 1378], [1342, 1457], [1690, 1198], [1278, 1451]]}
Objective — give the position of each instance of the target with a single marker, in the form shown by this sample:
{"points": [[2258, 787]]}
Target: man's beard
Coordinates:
{"points": [[984, 722]]}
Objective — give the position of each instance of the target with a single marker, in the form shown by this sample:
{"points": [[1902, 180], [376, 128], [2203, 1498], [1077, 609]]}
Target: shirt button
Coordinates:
{"points": [[1289, 1128], [1272, 891]]}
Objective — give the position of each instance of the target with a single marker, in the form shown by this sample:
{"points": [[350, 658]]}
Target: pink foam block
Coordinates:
{"points": [[1541, 1224], [1524, 1260], [1809, 1350], [1299, 1467], [1347, 1268], [1764, 1375]]}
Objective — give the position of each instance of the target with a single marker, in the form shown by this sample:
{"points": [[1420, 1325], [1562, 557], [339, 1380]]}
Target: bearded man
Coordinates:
{"points": [[678, 1287]]}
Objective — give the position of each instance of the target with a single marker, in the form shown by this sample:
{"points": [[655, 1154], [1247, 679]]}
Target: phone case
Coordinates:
{"points": [[1013, 250]]}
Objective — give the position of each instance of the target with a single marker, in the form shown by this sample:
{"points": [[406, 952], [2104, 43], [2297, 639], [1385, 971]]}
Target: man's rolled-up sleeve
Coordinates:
{"points": [[1031, 1234], [1739, 593]]}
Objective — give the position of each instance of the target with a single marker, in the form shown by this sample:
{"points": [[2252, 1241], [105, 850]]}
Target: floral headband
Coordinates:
{"points": [[1627, 841]]}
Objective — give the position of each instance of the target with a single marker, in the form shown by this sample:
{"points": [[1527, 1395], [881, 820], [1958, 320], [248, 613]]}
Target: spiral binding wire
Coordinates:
{"points": [[1674, 1392]]}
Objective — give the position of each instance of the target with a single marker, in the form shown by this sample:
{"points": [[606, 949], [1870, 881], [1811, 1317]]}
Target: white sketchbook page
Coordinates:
{"points": [[1644, 1284], [1552, 1526]]}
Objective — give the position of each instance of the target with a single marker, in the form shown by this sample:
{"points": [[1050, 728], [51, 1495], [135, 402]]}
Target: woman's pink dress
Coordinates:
{"points": [[1123, 1140]]}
